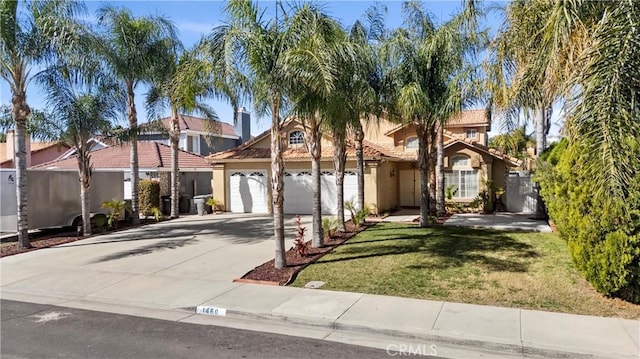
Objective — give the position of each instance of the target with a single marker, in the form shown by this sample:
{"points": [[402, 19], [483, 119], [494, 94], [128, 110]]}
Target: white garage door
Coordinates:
{"points": [[248, 192], [298, 192]]}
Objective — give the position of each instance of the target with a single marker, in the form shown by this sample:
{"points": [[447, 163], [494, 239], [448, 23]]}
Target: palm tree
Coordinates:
{"points": [[355, 99], [179, 82], [320, 51], [260, 49], [426, 66], [29, 38], [82, 102], [130, 46]]}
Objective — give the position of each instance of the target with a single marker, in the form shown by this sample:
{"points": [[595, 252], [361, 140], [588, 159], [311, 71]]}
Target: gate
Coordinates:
{"points": [[521, 193]]}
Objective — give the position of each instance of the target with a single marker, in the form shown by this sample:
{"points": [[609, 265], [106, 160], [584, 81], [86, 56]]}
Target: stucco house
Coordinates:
{"points": [[203, 136], [392, 178], [37, 152]]}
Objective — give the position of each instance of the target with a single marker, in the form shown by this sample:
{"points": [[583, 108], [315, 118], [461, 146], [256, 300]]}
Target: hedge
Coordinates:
{"points": [[148, 196]]}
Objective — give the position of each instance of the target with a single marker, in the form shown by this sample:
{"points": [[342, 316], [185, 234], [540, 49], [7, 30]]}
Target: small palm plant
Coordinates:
{"points": [[116, 208], [214, 203]]}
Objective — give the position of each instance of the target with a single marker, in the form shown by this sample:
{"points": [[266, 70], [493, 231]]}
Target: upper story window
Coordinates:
{"points": [[471, 133], [296, 137], [411, 143]]}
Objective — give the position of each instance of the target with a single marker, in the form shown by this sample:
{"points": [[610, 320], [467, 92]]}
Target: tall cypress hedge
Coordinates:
{"points": [[603, 237]]}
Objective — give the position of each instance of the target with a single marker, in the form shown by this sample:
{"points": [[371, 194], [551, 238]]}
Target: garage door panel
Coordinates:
{"points": [[298, 194], [248, 192]]}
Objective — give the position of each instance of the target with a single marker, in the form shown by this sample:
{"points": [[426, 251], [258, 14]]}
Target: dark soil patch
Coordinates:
{"points": [[267, 272], [56, 236]]}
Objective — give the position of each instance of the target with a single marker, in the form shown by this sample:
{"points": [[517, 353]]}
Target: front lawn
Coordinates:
{"points": [[524, 270]]}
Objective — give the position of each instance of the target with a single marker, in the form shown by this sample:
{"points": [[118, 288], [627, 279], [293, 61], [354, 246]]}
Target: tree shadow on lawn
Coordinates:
{"points": [[449, 246]]}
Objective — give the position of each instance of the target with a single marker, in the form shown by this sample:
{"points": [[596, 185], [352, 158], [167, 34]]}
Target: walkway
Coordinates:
{"points": [[501, 221]]}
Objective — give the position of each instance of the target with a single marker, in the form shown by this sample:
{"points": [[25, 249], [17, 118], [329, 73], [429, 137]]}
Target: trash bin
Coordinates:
{"points": [[166, 205], [200, 202], [184, 204]]}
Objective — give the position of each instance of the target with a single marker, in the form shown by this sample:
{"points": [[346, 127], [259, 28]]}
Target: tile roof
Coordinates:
{"points": [[492, 151], [468, 118], [464, 118], [35, 146], [202, 125], [150, 155], [243, 152]]}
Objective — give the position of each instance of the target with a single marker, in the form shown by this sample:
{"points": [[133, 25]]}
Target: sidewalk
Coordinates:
{"points": [[451, 329]]}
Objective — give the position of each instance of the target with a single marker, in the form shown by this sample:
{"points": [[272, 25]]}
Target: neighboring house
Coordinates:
{"points": [[204, 136], [155, 163], [392, 177], [37, 152]]}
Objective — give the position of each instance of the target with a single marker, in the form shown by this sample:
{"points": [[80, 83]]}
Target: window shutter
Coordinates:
{"points": [[446, 161]]}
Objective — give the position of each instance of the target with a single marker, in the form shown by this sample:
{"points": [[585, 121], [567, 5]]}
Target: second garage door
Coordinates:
{"points": [[298, 192]]}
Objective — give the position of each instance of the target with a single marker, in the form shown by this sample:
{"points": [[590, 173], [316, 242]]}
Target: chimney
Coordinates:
{"points": [[243, 125], [11, 147]]}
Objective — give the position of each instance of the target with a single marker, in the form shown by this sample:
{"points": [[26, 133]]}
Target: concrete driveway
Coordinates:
{"points": [[171, 258]]}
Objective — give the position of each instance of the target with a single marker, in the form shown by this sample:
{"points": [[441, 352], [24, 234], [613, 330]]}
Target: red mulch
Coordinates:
{"points": [[267, 272], [53, 237]]}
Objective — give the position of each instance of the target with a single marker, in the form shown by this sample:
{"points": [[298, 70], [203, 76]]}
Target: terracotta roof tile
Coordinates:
{"points": [[294, 153], [492, 151], [150, 155], [469, 117], [464, 118], [202, 125]]}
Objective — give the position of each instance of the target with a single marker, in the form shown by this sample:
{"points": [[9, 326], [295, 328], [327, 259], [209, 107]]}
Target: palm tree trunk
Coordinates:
{"points": [[440, 208], [359, 137], [20, 113], [174, 136], [339, 159], [540, 130], [85, 185], [277, 185], [85, 196], [133, 124], [423, 157], [314, 148]]}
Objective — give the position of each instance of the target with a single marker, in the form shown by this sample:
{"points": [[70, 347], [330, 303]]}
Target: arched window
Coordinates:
{"points": [[296, 137], [411, 143], [463, 177], [460, 161]]}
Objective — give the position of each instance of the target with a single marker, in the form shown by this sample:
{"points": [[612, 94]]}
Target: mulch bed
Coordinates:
{"points": [[267, 272], [53, 237]]}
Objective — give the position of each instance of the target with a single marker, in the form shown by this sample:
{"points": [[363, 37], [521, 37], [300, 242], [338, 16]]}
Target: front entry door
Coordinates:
{"points": [[409, 188]]}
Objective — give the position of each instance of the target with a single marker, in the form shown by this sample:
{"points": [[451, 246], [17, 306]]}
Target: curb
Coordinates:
{"points": [[523, 349]]}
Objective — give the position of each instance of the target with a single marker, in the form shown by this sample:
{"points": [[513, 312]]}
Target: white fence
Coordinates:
{"points": [[521, 193]]}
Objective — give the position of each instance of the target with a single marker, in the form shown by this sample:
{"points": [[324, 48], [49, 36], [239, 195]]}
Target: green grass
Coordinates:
{"points": [[525, 270]]}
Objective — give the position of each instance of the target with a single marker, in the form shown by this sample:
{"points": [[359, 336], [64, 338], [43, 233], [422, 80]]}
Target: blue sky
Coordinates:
{"points": [[196, 18]]}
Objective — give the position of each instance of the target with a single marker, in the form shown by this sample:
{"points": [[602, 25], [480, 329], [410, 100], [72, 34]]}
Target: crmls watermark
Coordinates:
{"points": [[401, 350]]}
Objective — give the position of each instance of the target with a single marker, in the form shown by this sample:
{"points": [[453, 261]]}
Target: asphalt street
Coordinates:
{"points": [[44, 331]]}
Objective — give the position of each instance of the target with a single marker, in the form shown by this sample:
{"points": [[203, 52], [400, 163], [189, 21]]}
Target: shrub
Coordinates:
{"points": [[300, 245], [351, 207], [116, 208], [156, 213], [329, 226], [360, 217], [213, 203], [148, 196], [603, 237]]}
